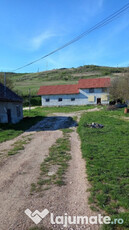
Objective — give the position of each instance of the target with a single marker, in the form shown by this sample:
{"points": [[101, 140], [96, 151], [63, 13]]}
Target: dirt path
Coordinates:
{"points": [[77, 114], [77, 184], [19, 171], [32, 107]]}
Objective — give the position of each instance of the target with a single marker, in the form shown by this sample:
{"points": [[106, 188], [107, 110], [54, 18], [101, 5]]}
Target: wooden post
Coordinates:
{"points": [[29, 99]]}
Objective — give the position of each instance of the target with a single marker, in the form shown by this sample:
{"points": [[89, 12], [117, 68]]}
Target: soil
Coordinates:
{"points": [[18, 172]]}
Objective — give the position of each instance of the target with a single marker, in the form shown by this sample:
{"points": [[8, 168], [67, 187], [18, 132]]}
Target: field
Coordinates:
{"points": [[106, 152]]}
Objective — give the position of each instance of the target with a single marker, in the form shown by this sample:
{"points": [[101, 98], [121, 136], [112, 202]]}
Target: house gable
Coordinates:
{"points": [[7, 94]]}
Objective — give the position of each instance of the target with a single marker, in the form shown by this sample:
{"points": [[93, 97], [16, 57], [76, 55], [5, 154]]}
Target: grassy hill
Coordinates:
{"points": [[22, 82]]}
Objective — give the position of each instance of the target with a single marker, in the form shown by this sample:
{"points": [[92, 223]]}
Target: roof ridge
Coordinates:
{"points": [[74, 88]]}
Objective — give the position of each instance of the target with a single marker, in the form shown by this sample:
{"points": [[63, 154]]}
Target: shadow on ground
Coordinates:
{"points": [[23, 125], [53, 123]]}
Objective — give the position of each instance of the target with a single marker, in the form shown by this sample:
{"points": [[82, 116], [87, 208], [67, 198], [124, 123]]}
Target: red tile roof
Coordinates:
{"points": [[74, 89], [94, 83], [58, 89]]}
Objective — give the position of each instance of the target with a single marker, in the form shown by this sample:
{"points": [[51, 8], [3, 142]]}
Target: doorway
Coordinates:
{"points": [[98, 100], [9, 115]]}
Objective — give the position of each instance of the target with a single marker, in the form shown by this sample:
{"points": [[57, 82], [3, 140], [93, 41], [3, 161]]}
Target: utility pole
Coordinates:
{"points": [[46, 66], [29, 99], [5, 84]]}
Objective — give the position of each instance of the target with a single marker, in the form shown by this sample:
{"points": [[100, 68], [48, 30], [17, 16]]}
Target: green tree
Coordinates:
{"points": [[9, 82], [120, 88]]}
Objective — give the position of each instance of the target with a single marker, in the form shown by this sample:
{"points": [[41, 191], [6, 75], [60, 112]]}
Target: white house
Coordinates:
{"points": [[11, 110], [87, 91]]}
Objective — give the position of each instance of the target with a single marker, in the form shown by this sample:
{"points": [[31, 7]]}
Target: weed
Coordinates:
{"points": [[33, 187]]}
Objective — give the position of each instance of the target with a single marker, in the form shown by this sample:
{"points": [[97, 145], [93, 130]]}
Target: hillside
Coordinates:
{"points": [[22, 82]]}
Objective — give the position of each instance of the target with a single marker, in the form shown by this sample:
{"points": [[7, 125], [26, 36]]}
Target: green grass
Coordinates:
{"points": [[107, 155], [59, 156], [19, 145], [10, 131], [34, 85], [116, 113], [62, 109]]}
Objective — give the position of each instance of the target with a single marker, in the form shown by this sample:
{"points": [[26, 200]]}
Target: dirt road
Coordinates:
{"points": [[18, 172]]}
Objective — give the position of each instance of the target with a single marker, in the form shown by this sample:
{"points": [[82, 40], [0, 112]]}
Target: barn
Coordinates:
{"points": [[87, 91], [11, 110]]}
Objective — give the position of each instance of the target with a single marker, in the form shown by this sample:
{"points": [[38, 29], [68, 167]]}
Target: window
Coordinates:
{"points": [[104, 90], [59, 99], [104, 97], [91, 90], [72, 99], [91, 98], [18, 111], [47, 99]]}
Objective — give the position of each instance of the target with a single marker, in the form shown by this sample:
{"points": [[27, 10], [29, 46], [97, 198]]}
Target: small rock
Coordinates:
{"points": [[51, 173]]}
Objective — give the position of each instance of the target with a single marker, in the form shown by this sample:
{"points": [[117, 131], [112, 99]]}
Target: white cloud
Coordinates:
{"points": [[38, 41]]}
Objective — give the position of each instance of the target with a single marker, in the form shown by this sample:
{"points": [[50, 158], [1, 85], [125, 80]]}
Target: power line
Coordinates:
{"points": [[102, 23]]}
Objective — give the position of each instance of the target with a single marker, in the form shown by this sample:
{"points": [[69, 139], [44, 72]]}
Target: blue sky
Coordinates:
{"points": [[32, 28]]}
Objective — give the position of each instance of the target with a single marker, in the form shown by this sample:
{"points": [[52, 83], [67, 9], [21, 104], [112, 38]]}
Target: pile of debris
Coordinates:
{"points": [[95, 125]]}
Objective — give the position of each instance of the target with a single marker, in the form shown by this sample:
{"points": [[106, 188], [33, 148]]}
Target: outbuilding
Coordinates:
{"points": [[11, 109]]}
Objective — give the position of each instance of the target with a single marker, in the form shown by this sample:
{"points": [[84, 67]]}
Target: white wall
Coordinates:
{"points": [[80, 99], [14, 116]]}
